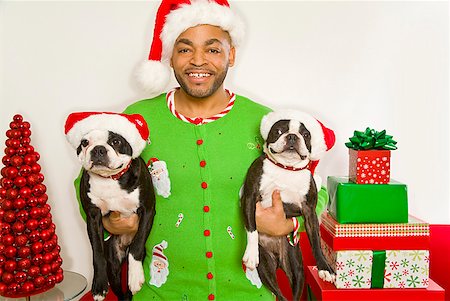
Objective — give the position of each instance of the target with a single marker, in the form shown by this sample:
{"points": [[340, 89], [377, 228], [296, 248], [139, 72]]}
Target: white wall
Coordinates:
{"points": [[352, 64]]}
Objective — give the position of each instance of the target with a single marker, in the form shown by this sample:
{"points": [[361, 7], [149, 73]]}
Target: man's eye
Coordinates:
{"points": [[84, 143], [184, 50], [214, 51]]}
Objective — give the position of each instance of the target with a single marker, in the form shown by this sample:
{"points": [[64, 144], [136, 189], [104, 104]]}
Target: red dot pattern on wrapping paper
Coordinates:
{"points": [[373, 171], [369, 167]]}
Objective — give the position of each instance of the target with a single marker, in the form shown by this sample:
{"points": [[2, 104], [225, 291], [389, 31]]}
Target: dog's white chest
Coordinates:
{"points": [[107, 195], [293, 185]]}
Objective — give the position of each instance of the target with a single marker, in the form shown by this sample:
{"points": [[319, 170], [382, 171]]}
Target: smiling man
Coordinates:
{"points": [[205, 137]]}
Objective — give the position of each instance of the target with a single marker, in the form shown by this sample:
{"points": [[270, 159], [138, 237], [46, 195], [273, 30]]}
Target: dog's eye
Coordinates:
{"points": [[306, 135], [279, 132], [115, 142], [84, 143]]}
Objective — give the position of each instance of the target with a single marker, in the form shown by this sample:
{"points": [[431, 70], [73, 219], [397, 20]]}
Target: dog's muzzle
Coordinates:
{"points": [[99, 155]]}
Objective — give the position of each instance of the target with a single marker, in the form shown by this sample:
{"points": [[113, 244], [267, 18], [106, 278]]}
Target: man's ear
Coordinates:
{"points": [[232, 56]]}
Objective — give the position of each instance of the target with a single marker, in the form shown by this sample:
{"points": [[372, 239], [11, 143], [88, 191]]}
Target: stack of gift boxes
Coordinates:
{"points": [[367, 235]]}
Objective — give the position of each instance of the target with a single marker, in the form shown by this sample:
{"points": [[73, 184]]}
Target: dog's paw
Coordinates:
{"points": [[100, 297], [135, 274], [251, 258], [327, 276]]}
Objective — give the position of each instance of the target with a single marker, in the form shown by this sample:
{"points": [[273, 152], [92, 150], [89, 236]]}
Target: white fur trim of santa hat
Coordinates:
{"points": [[130, 126], [322, 138], [173, 18]]}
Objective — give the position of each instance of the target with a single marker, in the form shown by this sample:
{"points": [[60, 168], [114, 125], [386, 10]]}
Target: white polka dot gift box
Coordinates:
{"points": [[369, 157]]}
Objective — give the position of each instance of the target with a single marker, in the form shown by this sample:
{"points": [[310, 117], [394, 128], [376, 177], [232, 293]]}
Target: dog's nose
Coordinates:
{"points": [[291, 138], [99, 151]]}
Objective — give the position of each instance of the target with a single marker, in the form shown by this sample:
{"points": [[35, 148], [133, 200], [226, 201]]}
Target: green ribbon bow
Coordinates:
{"points": [[371, 139]]}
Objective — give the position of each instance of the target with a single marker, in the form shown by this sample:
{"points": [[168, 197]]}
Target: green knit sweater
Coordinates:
{"points": [[207, 165]]}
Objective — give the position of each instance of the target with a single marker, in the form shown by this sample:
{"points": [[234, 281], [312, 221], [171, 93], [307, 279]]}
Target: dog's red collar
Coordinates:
{"points": [[308, 166], [121, 173]]}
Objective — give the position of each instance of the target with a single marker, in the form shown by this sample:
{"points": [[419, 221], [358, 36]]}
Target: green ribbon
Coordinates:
{"points": [[378, 264], [371, 139]]}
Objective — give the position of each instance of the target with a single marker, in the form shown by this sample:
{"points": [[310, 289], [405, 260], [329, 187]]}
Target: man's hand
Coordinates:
{"points": [[117, 224], [272, 220]]}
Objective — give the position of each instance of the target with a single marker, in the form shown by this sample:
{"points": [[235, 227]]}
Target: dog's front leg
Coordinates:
{"points": [[250, 197], [95, 232]]}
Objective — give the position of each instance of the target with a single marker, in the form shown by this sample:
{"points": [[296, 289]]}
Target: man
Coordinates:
{"points": [[208, 137]]}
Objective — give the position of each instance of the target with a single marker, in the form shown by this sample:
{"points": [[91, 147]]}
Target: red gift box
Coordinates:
{"points": [[327, 291], [369, 166], [384, 242]]}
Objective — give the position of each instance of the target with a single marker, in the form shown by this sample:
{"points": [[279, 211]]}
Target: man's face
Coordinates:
{"points": [[200, 59]]}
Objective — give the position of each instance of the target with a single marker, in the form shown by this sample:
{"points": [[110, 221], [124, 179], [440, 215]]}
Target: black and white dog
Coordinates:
{"points": [[114, 179], [294, 142]]}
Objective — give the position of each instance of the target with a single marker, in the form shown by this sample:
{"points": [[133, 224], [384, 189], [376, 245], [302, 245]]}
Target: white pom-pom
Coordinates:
{"points": [[153, 77]]}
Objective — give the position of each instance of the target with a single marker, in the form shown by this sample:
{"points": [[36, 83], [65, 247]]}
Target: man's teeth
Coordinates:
{"points": [[199, 75]]}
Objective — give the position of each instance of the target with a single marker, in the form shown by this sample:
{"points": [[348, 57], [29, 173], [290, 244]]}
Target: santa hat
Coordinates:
{"points": [[132, 127], [173, 18], [322, 138], [158, 251]]}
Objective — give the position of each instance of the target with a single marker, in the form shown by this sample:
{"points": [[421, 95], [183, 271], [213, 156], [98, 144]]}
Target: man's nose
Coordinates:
{"points": [[198, 58]]}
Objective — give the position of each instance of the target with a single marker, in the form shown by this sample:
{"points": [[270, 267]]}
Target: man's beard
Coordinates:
{"points": [[200, 92]]}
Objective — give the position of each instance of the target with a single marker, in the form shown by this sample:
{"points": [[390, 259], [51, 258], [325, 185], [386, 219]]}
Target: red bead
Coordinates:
{"points": [[25, 192], [39, 281], [18, 118], [26, 133], [24, 264], [9, 216], [46, 234], [6, 160], [207, 232], [44, 223], [9, 151], [29, 159], [28, 287], [206, 208], [21, 240], [34, 236], [6, 228], [33, 201], [204, 185], [24, 252], [209, 254], [211, 297], [199, 142], [2, 261], [30, 150], [33, 179], [21, 151], [37, 259], [35, 212], [48, 258], [3, 288], [39, 189], [37, 247], [11, 172], [34, 271], [23, 216], [209, 276], [20, 277], [51, 280], [35, 168], [16, 161], [18, 227], [25, 170], [55, 267], [26, 141], [202, 163], [11, 194], [46, 269], [13, 288], [25, 125], [32, 224], [10, 252], [20, 181], [7, 183], [59, 277], [8, 240], [7, 277], [49, 246], [13, 125], [10, 266], [19, 203]]}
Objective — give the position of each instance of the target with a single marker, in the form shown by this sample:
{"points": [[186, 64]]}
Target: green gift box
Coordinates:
{"points": [[365, 203]]}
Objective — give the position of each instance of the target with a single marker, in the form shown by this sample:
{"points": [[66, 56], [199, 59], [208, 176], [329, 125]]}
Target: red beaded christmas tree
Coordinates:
{"points": [[30, 262]]}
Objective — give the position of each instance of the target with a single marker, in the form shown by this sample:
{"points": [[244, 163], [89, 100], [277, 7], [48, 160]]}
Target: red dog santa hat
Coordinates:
{"points": [[173, 18], [322, 138], [132, 127]]}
